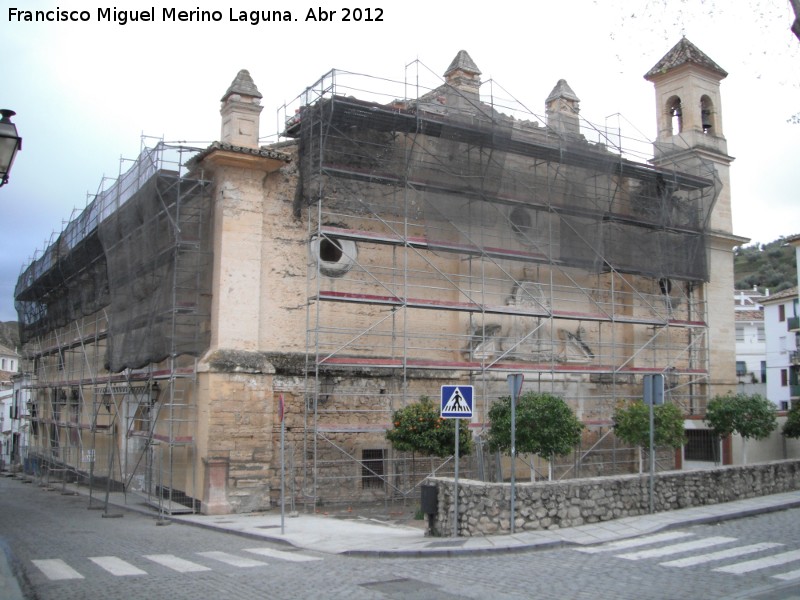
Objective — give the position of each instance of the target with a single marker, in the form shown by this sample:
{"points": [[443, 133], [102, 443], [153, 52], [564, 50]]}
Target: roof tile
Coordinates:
{"points": [[682, 53]]}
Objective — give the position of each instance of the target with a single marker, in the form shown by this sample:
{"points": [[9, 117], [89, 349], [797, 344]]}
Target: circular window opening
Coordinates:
{"points": [[330, 250], [335, 257]]}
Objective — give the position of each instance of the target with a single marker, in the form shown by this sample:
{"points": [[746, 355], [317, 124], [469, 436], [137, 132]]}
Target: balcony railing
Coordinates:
{"points": [[794, 357], [793, 323], [794, 391]]}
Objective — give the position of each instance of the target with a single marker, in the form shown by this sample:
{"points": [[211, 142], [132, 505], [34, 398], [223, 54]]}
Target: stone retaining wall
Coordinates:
{"points": [[484, 508]]}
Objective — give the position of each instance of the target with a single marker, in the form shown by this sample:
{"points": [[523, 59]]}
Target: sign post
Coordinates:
{"points": [[283, 468], [515, 387], [653, 393], [456, 402]]}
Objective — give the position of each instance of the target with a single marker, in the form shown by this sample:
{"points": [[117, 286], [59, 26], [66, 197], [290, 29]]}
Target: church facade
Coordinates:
{"points": [[236, 311]]}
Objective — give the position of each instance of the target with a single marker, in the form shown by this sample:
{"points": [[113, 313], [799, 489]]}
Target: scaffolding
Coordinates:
{"points": [[455, 238], [113, 316]]}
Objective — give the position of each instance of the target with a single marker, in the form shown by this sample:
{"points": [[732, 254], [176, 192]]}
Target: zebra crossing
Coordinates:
{"points": [[717, 552], [56, 569]]}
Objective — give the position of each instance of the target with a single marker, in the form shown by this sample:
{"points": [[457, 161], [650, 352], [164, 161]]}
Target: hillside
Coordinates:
{"points": [[9, 335], [767, 266]]}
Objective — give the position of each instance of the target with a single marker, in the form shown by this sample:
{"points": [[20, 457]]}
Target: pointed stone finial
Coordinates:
{"points": [[241, 107], [463, 62], [561, 109], [242, 85], [562, 91], [463, 74]]}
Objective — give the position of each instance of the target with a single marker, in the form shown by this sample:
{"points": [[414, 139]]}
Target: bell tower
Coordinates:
{"points": [[691, 139], [689, 115], [688, 102]]}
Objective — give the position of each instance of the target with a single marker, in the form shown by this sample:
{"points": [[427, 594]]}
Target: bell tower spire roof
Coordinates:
{"points": [[682, 53]]}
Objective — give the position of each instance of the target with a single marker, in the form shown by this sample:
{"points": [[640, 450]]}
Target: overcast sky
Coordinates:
{"points": [[85, 92]]}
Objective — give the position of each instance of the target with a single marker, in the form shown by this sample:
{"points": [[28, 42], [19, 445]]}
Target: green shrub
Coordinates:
{"points": [[545, 425], [419, 428]]}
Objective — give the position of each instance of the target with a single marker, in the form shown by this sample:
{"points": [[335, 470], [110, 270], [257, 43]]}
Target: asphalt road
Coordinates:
{"points": [[62, 551]]}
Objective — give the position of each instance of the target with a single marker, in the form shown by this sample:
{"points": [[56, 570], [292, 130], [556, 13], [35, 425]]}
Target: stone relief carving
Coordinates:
{"points": [[528, 338], [484, 343]]}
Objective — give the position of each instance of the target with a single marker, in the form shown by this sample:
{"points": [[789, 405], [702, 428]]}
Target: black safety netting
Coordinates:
{"points": [[464, 167], [159, 272], [140, 256]]}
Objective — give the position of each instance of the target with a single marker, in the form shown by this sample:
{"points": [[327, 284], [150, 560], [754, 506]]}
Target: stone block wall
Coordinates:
{"points": [[484, 508]]}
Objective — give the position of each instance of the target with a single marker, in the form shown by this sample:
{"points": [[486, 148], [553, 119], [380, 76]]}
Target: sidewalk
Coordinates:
{"points": [[371, 537], [380, 532]]}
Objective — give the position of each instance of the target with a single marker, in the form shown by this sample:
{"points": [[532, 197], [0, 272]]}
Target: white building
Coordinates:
{"points": [[9, 363], [751, 348], [6, 397], [781, 326], [14, 423]]}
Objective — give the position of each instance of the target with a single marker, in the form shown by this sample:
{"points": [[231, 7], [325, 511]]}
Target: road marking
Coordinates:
{"points": [[635, 542], [176, 564], [677, 548], [116, 566], [790, 576], [232, 559], [761, 563], [691, 561], [56, 569], [290, 556]]}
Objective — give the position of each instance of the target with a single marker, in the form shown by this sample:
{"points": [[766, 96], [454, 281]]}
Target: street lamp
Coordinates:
{"points": [[10, 144]]}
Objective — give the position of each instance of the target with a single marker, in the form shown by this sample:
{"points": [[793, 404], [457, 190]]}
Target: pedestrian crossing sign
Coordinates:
{"points": [[456, 401]]}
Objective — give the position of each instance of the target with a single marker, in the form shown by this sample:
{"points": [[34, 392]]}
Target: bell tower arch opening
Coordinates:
{"points": [[707, 115], [674, 115]]}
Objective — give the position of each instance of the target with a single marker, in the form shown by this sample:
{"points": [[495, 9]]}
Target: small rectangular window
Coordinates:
{"points": [[701, 444], [781, 313], [741, 368], [372, 468], [763, 371], [784, 377]]}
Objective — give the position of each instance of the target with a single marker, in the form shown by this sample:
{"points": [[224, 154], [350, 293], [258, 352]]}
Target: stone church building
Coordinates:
{"points": [[396, 239]]}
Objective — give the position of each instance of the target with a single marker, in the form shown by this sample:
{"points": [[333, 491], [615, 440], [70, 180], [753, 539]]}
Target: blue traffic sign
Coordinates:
{"points": [[456, 401]]}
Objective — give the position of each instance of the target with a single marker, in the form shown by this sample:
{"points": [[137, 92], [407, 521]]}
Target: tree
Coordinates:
{"points": [[632, 425], [749, 416], [418, 427], [545, 425], [791, 428]]}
